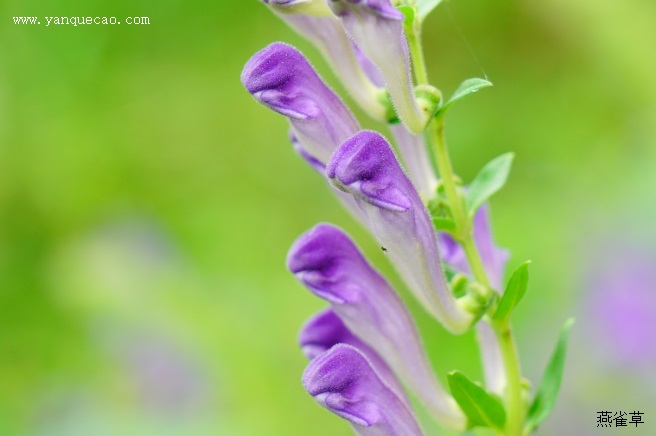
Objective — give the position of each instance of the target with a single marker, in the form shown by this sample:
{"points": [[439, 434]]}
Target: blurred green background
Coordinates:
{"points": [[147, 203]]}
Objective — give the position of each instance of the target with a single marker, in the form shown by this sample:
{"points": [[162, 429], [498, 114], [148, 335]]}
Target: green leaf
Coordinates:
{"points": [[488, 181], [424, 7], [466, 88], [550, 385], [480, 407], [444, 224], [515, 291]]}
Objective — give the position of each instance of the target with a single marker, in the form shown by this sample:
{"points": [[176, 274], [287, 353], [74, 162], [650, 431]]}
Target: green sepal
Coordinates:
{"points": [[385, 100], [428, 99], [480, 407], [443, 224], [466, 88], [459, 284], [515, 290], [438, 205], [545, 398], [488, 181], [410, 13], [424, 7]]}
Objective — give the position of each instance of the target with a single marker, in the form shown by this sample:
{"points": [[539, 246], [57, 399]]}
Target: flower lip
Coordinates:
{"points": [[322, 259], [363, 165], [280, 77], [273, 76], [342, 380]]}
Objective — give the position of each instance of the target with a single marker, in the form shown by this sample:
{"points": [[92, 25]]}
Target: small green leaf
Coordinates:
{"points": [[480, 407], [466, 88], [488, 181], [515, 291], [550, 385], [444, 224], [424, 7]]}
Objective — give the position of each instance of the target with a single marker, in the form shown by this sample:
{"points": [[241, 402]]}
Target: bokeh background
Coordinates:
{"points": [[147, 204]]}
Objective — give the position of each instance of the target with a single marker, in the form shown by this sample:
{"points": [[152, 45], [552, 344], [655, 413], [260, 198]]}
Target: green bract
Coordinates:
{"points": [[488, 181], [481, 407], [550, 385], [515, 291]]}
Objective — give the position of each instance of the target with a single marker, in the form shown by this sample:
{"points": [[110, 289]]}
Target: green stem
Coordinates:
{"points": [[464, 231], [413, 33], [515, 410], [463, 222]]}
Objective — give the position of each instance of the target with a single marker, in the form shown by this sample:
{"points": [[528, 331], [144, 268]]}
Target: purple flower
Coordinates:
{"points": [[326, 329], [343, 381], [376, 27], [280, 77], [327, 34], [326, 261], [366, 167], [346, 199], [621, 303]]}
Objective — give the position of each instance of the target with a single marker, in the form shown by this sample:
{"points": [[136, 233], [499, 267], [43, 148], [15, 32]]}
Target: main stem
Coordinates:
{"points": [[514, 405], [515, 410]]}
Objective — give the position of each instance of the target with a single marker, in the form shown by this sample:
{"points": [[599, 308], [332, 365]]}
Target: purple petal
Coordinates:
{"points": [[346, 199], [369, 68], [416, 160], [376, 27], [326, 261], [343, 381], [494, 258], [366, 167], [621, 302], [327, 34], [280, 77], [326, 329]]}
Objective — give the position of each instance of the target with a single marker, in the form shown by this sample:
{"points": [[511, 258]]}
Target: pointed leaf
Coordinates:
{"points": [[515, 290], [481, 407], [466, 88], [550, 385], [424, 7], [488, 181]]}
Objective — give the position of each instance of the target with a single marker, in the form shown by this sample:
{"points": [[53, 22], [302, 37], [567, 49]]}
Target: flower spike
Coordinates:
{"points": [[326, 261], [366, 167], [280, 77], [343, 381], [376, 27]]}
